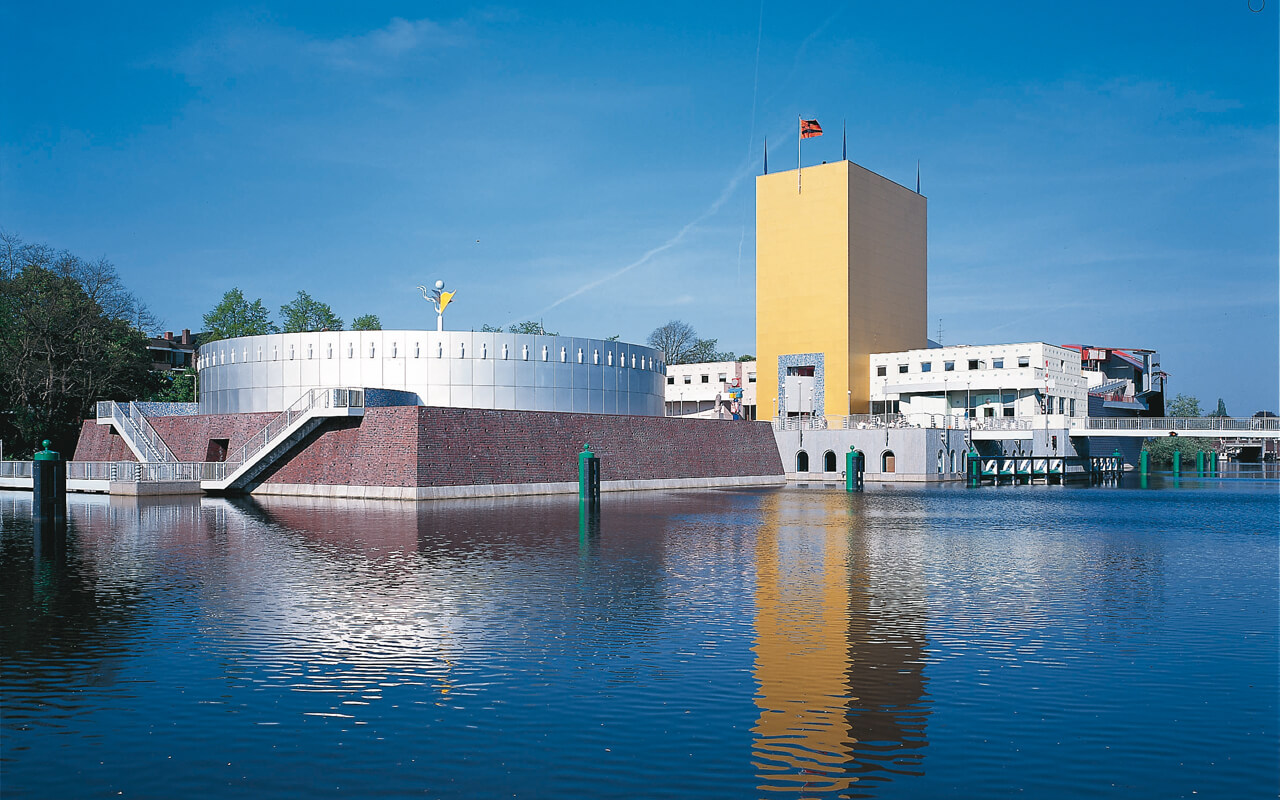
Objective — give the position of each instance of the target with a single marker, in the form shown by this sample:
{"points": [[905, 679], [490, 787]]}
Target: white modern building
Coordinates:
{"points": [[446, 368], [715, 390], [979, 382]]}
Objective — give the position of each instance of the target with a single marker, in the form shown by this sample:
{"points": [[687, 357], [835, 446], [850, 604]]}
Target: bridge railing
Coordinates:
{"points": [[1165, 424]]}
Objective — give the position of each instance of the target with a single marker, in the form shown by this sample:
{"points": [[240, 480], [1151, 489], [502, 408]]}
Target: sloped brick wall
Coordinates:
{"points": [[414, 446]]}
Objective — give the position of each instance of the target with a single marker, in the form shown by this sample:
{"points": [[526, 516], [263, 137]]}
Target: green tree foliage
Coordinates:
{"points": [[234, 316], [747, 357], [60, 352], [1161, 449], [680, 342], [176, 386], [1182, 406], [366, 322], [486, 328], [1220, 411], [531, 327], [308, 314]]}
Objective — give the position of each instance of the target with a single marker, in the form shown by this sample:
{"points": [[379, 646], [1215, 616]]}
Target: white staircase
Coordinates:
{"points": [[280, 435], [146, 444]]}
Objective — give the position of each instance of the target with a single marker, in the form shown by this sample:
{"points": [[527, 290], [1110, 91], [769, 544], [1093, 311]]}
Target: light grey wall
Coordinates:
{"points": [[458, 369]]}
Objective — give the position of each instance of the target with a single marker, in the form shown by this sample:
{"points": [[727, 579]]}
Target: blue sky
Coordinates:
{"points": [[1101, 173]]}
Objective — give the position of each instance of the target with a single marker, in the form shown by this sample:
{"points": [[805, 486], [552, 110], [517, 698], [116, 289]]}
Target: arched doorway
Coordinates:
{"points": [[888, 462], [942, 461], [952, 461], [829, 461], [802, 461]]}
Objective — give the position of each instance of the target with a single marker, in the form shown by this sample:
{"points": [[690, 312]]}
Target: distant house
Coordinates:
{"points": [[168, 352]]}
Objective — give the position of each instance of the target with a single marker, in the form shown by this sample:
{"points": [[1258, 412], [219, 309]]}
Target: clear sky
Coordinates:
{"points": [[1096, 172]]}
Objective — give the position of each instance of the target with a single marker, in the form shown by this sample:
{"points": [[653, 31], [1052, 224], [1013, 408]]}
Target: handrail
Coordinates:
{"points": [[323, 398], [134, 425], [1177, 423]]}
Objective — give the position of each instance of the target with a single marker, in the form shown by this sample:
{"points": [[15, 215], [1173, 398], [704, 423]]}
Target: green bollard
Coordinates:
{"points": [[588, 477], [1177, 462], [1199, 462], [1143, 463], [974, 465], [855, 468], [1119, 461], [48, 484]]}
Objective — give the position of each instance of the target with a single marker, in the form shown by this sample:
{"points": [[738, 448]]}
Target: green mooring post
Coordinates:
{"points": [[1177, 462], [1199, 462], [48, 484], [855, 467], [973, 464], [588, 476], [1143, 463], [1119, 461]]}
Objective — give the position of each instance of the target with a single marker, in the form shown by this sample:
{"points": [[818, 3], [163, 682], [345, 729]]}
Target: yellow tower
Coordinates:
{"points": [[840, 274]]}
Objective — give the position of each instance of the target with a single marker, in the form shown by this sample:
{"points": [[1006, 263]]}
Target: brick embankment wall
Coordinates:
{"points": [[429, 446], [187, 436], [412, 447]]}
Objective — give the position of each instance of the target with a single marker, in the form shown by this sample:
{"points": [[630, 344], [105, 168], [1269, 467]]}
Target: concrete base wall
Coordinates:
{"points": [[918, 453]]}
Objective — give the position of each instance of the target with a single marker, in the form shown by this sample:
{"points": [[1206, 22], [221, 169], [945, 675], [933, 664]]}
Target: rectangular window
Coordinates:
{"points": [[671, 379], [688, 379], [997, 363], [902, 369], [1008, 412], [722, 377], [1062, 405], [751, 377], [949, 366], [926, 366], [975, 364], [1024, 361], [881, 371], [1073, 407], [988, 412], [706, 379]]}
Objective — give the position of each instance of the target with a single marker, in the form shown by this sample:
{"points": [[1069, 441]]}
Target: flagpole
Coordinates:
{"points": [[766, 155], [799, 139], [844, 140]]}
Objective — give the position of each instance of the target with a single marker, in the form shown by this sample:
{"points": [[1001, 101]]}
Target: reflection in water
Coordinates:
{"points": [[840, 640]]}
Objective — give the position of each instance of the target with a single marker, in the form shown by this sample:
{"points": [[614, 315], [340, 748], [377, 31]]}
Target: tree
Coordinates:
{"points": [[365, 322], [1182, 406], [676, 340], [704, 350], [747, 357], [1220, 411], [307, 314], [1160, 450], [531, 327], [59, 353], [613, 338], [176, 386], [490, 328], [234, 316]]}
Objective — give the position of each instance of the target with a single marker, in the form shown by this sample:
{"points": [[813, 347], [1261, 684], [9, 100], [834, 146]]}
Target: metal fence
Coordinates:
{"points": [[15, 469], [1241, 424]]}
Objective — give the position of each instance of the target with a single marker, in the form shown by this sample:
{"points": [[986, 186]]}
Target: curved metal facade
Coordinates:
{"points": [[450, 368]]}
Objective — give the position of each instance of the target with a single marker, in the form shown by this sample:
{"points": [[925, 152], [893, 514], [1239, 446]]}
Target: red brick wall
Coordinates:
{"points": [[188, 437], [430, 446]]}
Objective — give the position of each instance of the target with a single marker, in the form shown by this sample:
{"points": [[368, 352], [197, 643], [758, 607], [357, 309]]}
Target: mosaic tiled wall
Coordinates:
{"points": [[814, 360]]}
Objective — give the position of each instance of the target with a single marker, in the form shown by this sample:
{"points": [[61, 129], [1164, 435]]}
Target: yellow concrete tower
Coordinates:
{"points": [[841, 268]]}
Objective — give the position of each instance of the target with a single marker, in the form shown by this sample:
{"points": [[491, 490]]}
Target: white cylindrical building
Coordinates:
{"points": [[449, 368]]}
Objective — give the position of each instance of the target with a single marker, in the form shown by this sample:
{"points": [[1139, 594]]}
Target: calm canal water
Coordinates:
{"points": [[902, 642]]}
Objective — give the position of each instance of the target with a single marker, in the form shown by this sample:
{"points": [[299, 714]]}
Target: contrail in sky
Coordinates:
{"points": [[644, 259], [755, 91]]}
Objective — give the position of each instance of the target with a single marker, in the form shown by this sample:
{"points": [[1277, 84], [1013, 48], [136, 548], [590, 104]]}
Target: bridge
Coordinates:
{"points": [[990, 428]]}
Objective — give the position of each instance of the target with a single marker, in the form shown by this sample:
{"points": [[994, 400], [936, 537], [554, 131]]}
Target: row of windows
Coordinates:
{"points": [[643, 362], [671, 379], [888, 462], [950, 366]]}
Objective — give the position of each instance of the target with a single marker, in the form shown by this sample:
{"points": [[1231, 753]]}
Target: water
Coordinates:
{"points": [[904, 642]]}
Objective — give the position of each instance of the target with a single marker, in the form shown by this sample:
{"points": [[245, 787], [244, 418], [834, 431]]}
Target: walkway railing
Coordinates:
{"points": [[304, 405], [1164, 424], [15, 469], [131, 422]]}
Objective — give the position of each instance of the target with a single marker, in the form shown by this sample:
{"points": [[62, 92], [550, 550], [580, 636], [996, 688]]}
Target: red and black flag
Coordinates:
{"points": [[809, 128]]}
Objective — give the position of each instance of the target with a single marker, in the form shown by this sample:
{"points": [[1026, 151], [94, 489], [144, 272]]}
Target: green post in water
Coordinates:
{"points": [[1199, 462], [588, 476], [1177, 462], [854, 469], [48, 484], [1119, 461], [1144, 463]]}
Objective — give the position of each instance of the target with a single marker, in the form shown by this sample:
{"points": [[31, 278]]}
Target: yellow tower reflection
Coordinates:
{"points": [[840, 638]]}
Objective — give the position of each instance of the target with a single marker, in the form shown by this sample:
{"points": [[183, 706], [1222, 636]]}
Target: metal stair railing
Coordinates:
{"points": [[134, 425], [302, 407]]}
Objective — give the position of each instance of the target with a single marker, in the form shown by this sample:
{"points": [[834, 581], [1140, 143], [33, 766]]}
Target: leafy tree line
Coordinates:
{"points": [[1160, 450], [70, 334], [682, 345], [234, 315]]}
